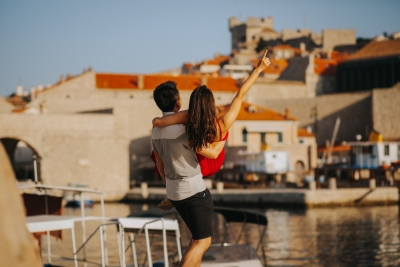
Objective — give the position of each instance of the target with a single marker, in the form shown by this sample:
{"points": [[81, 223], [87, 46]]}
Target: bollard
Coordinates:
{"points": [[312, 185], [220, 187], [332, 183], [145, 190], [372, 183]]}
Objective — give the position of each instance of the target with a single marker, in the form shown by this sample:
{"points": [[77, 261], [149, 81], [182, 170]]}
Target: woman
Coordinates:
{"points": [[202, 124]]}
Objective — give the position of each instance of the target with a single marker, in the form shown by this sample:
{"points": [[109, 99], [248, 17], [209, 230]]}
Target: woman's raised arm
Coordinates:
{"points": [[180, 117], [230, 116]]}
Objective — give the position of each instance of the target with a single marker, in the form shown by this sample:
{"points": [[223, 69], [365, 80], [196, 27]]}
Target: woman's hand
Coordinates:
{"points": [[264, 62], [156, 122]]}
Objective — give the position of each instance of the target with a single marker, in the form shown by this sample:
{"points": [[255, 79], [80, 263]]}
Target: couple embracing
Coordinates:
{"points": [[189, 145]]}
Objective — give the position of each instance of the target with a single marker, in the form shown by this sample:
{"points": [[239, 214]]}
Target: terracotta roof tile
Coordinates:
{"points": [[19, 110], [150, 82], [116, 81], [283, 47], [325, 66], [222, 84], [339, 57], [16, 100], [183, 82], [378, 49], [253, 112], [304, 133]]}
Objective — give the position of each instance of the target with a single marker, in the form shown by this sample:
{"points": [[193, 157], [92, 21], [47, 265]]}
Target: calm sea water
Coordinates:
{"points": [[363, 236]]}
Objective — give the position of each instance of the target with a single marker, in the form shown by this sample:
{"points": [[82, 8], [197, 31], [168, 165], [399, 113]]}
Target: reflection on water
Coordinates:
{"points": [[364, 236]]}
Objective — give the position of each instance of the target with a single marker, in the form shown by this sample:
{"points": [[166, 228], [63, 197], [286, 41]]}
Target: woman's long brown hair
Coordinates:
{"points": [[201, 126]]}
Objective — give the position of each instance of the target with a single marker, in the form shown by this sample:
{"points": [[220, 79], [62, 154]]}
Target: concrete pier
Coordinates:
{"points": [[285, 196]]}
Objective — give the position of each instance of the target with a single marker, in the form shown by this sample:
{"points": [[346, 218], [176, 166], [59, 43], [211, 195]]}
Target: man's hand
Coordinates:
{"points": [[165, 204]]}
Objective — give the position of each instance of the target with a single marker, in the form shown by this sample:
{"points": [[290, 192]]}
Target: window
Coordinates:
{"points": [[301, 141], [262, 136], [280, 137], [386, 150], [244, 136]]}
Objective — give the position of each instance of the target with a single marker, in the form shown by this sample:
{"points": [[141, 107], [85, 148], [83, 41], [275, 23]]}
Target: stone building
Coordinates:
{"points": [[376, 65], [246, 35], [360, 113], [258, 129]]}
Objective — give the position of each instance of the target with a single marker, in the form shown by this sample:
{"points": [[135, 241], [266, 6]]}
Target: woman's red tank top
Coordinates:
{"points": [[212, 166]]}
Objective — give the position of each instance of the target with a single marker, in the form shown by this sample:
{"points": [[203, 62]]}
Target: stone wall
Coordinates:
{"points": [[354, 110], [264, 90], [335, 37], [5, 107], [386, 112], [76, 148]]}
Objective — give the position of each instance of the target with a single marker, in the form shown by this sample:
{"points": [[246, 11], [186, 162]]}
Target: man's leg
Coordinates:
{"points": [[196, 211], [195, 252]]}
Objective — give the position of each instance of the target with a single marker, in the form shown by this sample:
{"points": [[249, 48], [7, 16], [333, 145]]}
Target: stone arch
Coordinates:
{"points": [[24, 170]]}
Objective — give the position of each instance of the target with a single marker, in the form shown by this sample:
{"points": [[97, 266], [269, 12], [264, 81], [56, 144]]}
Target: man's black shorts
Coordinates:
{"points": [[196, 211]]}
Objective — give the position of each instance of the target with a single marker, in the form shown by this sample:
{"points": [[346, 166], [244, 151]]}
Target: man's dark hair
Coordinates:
{"points": [[165, 96]]}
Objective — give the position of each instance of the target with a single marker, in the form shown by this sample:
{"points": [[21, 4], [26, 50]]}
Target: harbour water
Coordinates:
{"points": [[346, 236]]}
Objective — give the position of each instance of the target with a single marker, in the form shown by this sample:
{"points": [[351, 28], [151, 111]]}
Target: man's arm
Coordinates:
{"points": [[213, 150], [160, 166]]}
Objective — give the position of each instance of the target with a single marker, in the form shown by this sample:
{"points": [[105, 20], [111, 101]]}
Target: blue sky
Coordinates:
{"points": [[43, 39]]}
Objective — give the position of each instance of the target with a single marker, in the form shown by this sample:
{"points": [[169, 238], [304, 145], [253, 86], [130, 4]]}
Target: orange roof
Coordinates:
{"points": [[189, 66], [253, 112], [304, 133], [325, 66], [19, 110], [16, 100], [211, 62], [183, 82], [339, 57], [378, 49], [222, 84], [283, 47], [341, 148], [114, 81], [150, 82]]}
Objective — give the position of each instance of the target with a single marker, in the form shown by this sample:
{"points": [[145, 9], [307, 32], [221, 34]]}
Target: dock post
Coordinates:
{"points": [[144, 190], [372, 183], [312, 185], [332, 183], [220, 187]]}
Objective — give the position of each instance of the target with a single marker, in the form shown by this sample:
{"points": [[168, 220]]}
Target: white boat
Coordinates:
{"points": [[235, 254], [224, 254]]}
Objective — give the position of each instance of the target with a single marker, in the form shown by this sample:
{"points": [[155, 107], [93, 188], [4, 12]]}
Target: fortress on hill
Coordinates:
{"points": [[95, 127]]}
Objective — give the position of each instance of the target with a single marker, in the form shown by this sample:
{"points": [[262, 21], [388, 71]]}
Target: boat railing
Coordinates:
{"points": [[79, 190]]}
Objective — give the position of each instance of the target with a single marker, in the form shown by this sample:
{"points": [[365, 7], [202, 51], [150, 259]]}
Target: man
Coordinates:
{"points": [[179, 168]]}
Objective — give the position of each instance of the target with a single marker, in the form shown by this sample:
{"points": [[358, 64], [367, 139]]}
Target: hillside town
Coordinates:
{"points": [[328, 98]]}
